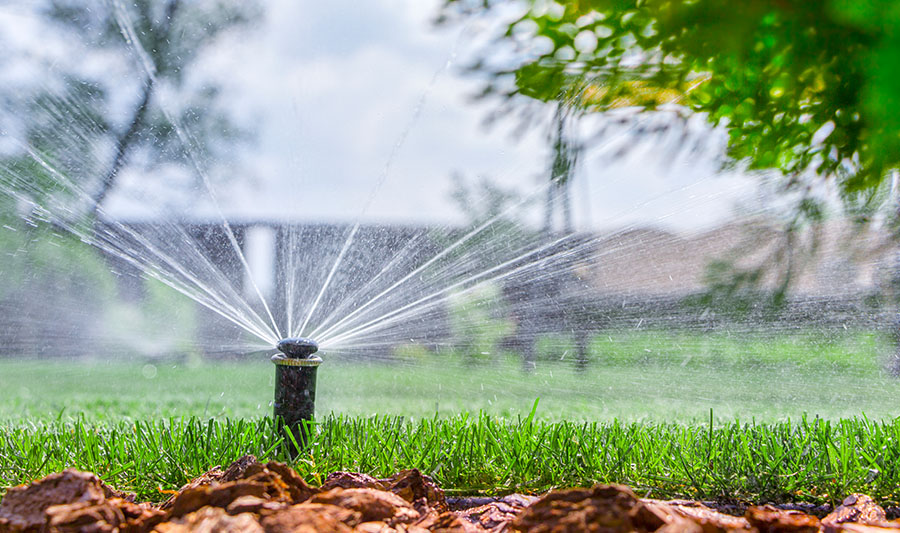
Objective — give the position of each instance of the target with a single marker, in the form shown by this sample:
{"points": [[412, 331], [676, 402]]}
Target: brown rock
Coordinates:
{"points": [[768, 519], [410, 528], [280, 481], [216, 474], [858, 508], [275, 488], [218, 495], [111, 515], [350, 480], [649, 512], [23, 507], [849, 527], [237, 470], [381, 527], [111, 493], [496, 515], [273, 483], [211, 520], [372, 505], [297, 488], [311, 518], [710, 520], [447, 522], [603, 508], [83, 516], [519, 501], [493, 516], [253, 504], [412, 485], [681, 526], [374, 527]]}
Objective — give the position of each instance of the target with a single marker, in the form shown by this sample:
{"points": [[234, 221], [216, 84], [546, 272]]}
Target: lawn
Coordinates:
{"points": [[632, 377], [810, 460], [806, 416]]}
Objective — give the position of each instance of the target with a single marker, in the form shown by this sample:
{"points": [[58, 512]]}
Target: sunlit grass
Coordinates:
{"points": [[809, 460]]}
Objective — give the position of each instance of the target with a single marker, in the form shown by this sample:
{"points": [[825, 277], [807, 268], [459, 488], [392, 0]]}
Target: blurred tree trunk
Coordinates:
{"points": [[123, 143], [126, 139], [561, 168], [534, 314]]}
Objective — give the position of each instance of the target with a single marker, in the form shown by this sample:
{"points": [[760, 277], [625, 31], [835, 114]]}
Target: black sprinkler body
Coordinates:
{"points": [[295, 389]]}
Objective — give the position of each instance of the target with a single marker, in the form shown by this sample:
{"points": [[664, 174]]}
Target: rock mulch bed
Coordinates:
{"points": [[249, 496]]}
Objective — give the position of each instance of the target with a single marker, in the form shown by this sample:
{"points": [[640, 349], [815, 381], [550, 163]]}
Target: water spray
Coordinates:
{"points": [[295, 389]]}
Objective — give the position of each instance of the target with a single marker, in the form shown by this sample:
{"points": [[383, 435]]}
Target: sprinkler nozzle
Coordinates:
{"points": [[297, 347]]}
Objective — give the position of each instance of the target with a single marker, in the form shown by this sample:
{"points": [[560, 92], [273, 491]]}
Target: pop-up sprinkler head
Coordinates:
{"points": [[295, 389], [298, 347]]}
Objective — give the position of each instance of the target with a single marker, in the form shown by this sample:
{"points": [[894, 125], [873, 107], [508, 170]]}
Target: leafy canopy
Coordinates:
{"points": [[800, 85]]}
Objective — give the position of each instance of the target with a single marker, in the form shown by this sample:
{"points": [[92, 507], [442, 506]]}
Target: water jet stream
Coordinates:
{"points": [[325, 285], [188, 143], [168, 270], [324, 330], [385, 172], [385, 319]]}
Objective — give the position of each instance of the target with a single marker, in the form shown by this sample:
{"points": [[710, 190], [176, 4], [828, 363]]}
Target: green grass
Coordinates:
{"points": [[640, 414], [812, 460], [633, 377]]}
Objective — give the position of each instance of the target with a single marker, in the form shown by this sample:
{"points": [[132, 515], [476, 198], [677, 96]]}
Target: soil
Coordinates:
{"points": [[249, 496]]}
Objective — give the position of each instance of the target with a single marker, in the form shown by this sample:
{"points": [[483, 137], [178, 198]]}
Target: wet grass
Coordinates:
{"points": [[632, 376], [808, 460]]}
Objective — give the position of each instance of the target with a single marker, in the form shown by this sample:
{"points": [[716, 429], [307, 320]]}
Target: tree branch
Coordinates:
{"points": [[125, 141]]}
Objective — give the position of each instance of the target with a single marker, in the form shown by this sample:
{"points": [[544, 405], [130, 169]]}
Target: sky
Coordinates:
{"points": [[362, 111]]}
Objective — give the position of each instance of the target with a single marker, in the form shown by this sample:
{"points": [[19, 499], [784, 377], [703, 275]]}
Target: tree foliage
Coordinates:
{"points": [[801, 86]]}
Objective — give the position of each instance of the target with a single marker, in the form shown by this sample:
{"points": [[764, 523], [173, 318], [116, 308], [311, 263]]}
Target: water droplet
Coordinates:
{"points": [[149, 371]]}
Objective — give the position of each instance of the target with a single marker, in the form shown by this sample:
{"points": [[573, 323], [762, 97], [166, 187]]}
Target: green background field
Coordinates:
{"points": [[670, 377]]}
